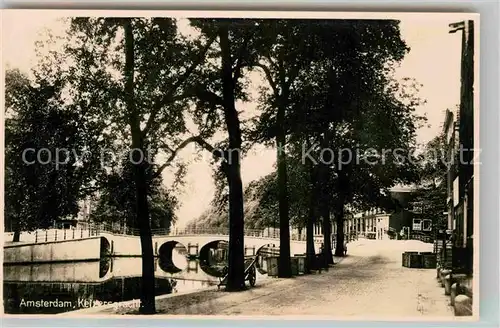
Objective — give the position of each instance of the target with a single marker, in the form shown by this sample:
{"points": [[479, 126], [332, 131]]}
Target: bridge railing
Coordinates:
{"points": [[118, 229], [222, 232], [51, 235], [225, 232], [84, 230]]}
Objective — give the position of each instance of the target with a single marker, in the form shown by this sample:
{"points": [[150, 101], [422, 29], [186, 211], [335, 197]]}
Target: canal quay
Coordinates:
{"points": [[369, 283], [62, 271]]}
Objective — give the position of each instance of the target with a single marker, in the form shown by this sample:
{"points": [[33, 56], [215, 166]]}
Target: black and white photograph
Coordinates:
{"points": [[255, 164]]}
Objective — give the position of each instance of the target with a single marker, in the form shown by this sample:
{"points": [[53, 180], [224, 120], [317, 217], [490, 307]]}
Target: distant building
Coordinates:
{"points": [[82, 217], [373, 224], [406, 220]]}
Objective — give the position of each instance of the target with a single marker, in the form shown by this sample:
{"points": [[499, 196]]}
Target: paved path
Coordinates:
{"points": [[369, 283]]}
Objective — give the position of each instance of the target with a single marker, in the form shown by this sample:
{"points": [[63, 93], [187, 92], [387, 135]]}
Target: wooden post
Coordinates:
{"points": [[36, 236], [46, 231], [73, 233], [55, 237], [64, 234], [81, 232]]}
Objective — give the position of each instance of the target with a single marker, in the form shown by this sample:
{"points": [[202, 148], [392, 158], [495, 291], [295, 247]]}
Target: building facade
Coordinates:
{"points": [[372, 224], [459, 131]]}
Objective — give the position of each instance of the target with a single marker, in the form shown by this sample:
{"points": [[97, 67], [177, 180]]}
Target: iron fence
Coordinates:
{"points": [[51, 235], [85, 230]]}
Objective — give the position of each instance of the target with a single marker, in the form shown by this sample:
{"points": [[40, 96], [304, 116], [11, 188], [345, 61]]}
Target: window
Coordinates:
{"points": [[416, 207], [417, 224], [427, 225]]}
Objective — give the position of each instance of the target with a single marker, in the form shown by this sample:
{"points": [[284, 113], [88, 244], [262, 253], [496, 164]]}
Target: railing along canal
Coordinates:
{"points": [[86, 230]]}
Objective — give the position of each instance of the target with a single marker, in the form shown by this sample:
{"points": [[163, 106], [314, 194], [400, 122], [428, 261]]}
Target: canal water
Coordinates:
{"points": [[52, 288]]}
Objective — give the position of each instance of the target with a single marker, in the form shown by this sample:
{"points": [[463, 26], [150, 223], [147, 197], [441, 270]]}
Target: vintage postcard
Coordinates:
{"points": [[254, 164]]}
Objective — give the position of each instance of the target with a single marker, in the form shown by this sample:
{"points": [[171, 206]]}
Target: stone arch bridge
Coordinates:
{"points": [[196, 242], [98, 251], [196, 245]]}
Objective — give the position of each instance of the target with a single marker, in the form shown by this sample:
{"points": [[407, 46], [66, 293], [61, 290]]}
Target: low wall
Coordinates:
{"points": [[125, 245], [56, 251]]}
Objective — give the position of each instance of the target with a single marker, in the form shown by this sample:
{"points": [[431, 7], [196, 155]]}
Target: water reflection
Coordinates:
{"points": [[62, 287], [213, 257]]}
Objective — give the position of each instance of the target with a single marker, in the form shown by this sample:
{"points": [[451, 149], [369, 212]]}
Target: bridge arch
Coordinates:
{"points": [[260, 265], [105, 247], [165, 256], [204, 257], [104, 257], [259, 245]]}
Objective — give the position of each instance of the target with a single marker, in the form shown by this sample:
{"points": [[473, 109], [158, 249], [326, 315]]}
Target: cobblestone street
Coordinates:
{"points": [[369, 283]]}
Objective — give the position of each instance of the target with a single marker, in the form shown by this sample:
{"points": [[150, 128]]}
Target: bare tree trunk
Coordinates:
{"points": [[236, 256], [284, 265], [327, 233], [236, 260], [325, 194], [310, 252], [148, 278], [17, 236], [141, 185], [343, 191], [339, 217]]}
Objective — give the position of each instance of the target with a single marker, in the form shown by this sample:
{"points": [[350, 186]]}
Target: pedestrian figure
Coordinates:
{"points": [[345, 247]]}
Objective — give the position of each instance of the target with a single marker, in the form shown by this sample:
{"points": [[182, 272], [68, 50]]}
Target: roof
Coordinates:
{"points": [[403, 188]]}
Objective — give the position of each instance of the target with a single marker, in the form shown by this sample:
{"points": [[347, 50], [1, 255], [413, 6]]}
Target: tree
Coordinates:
{"points": [[431, 191], [116, 201], [130, 74], [302, 183], [310, 186], [348, 100], [288, 49], [43, 169], [386, 135], [219, 86]]}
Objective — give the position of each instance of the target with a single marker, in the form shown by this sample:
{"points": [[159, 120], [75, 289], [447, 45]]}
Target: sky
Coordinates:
{"points": [[434, 61]]}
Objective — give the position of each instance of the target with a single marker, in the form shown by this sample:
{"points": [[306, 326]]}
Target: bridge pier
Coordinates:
{"points": [[193, 249], [252, 249], [192, 266]]}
